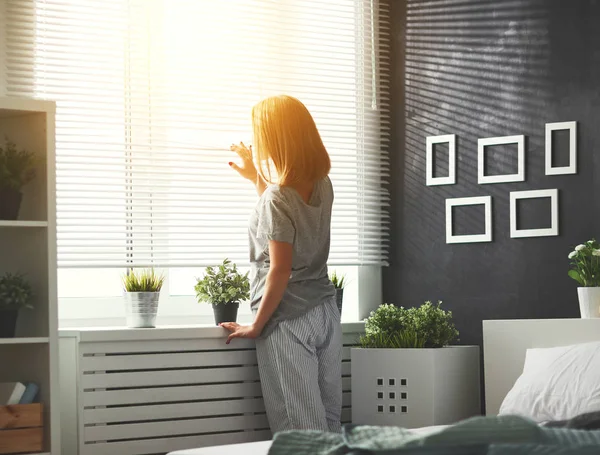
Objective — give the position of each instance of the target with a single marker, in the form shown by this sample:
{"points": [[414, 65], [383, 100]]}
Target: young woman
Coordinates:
{"points": [[296, 323]]}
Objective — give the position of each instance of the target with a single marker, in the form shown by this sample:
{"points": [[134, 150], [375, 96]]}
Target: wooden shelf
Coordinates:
{"points": [[19, 223], [28, 246], [24, 340]]}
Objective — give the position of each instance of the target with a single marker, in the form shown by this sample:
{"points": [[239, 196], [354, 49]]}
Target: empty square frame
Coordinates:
{"points": [[483, 143], [572, 167], [450, 139], [515, 196], [480, 200]]}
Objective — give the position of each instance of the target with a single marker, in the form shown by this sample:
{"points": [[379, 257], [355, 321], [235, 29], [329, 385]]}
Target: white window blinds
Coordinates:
{"points": [[151, 93]]}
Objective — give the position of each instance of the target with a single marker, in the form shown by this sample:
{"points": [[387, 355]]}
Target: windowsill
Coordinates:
{"points": [[164, 332]]}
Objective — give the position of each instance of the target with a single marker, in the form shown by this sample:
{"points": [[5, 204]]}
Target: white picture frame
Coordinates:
{"points": [[474, 238], [449, 139], [571, 168], [486, 142], [516, 196]]}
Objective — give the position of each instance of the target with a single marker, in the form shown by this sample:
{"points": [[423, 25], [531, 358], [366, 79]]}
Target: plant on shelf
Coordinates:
{"points": [[224, 287], [427, 326], [17, 168], [585, 269], [339, 282], [142, 294], [15, 294], [405, 371]]}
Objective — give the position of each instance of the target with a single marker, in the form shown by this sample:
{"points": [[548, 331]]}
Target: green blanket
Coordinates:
{"points": [[477, 436]]}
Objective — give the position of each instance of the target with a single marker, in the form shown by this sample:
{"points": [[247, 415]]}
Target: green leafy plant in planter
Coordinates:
{"points": [[426, 326], [585, 270], [224, 287], [15, 293], [339, 282], [409, 351], [142, 294], [17, 168]]}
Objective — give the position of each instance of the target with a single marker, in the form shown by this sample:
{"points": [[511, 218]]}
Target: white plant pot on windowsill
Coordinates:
{"points": [[414, 388], [589, 302], [141, 309]]}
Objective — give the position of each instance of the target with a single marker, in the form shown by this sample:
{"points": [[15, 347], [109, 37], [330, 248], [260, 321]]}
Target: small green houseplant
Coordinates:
{"points": [[142, 294], [15, 294], [224, 287], [585, 270], [339, 282], [17, 168], [426, 326]]}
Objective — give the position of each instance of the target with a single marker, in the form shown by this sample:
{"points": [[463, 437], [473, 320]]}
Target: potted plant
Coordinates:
{"points": [[585, 269], [15, 294], [224, 287], [142, 293], [404, 373], [17, 168], [339, 282]]}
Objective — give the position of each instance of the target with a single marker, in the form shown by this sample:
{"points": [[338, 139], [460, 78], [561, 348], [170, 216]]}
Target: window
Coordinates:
{"points": [[150, 93]]}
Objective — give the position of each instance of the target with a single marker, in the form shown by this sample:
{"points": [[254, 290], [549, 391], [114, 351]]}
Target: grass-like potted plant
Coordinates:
{"points": [[17, 168], [405, 374], [15, 294], [339, 282], [585, 269], [142, 293], [224, 287]]}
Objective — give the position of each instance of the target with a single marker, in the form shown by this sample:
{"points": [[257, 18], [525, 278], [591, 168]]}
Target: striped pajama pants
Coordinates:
{"points": [[300, 366]]}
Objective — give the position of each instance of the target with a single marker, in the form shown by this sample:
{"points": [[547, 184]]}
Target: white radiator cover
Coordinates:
{"points": [[152, 391]]}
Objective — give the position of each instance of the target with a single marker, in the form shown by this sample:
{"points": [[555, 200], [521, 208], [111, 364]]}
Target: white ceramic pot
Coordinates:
{"points": [[589, 302], [141, 309], [414, 388]]}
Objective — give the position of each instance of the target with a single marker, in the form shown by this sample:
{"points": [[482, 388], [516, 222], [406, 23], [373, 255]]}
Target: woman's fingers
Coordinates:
{"points": [[230, 325], [242, 151], [231, 337], [235, 166]]}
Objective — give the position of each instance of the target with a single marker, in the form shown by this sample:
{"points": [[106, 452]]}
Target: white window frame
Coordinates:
{"points": [[183, 311]]}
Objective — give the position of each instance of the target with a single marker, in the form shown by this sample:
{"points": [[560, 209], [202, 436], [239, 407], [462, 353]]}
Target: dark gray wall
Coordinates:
{"points": [[482, 69]]}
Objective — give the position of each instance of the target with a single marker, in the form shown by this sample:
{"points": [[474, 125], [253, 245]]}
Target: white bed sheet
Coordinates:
{"points": [[262, 448]]}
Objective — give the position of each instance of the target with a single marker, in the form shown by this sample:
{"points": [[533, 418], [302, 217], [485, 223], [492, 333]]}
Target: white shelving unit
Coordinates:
{"points": [[28, 246]]}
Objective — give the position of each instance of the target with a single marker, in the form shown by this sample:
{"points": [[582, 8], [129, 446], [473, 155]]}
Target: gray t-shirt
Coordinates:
{"points": [[282, 215]]}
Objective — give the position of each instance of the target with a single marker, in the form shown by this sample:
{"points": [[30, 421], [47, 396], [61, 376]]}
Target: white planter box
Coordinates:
{"points": [[414, 388]]}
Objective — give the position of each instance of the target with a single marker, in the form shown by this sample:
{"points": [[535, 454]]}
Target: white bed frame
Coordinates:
{"points": [[506, 342]]}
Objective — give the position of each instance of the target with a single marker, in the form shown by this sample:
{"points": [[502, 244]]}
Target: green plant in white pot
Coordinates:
{"points": [[405, 373], [339, 282], [17, 168], [142, 294], [15, 294], [224, 287], [585, 269]]}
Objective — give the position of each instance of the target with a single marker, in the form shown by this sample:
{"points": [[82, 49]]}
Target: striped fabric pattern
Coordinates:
{"points": [[300, 366], [478, 436]]}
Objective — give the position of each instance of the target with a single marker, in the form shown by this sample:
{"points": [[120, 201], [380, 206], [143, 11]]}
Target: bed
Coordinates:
{"points": [[262, 447], [505, 347]]}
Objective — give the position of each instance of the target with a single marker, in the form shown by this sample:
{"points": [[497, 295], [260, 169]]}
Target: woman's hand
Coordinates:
{"points": [[247, 169], [240, 331]]}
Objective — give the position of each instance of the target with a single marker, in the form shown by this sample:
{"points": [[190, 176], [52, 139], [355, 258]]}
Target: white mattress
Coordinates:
{"points": [[261, 448], [250, 448]]}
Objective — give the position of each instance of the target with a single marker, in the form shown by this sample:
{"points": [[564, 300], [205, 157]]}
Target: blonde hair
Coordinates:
{"points": [[286, 138]]}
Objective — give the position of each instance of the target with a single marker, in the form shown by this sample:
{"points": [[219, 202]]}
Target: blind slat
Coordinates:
{"points": [[150, 93]]}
